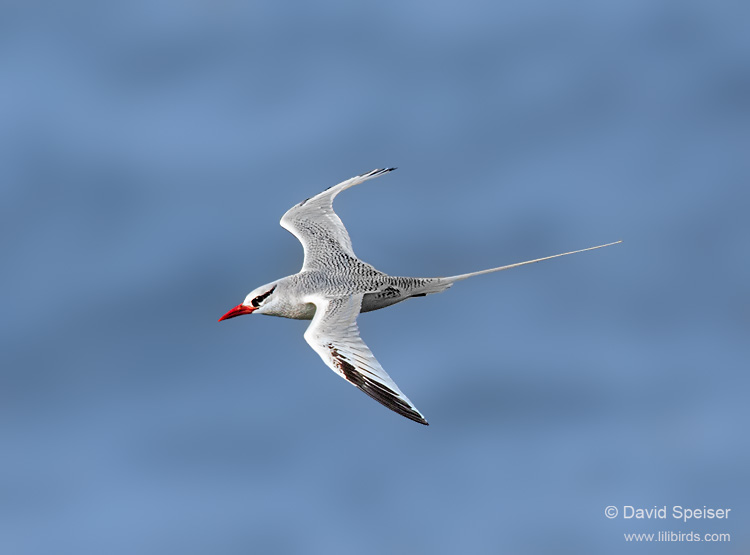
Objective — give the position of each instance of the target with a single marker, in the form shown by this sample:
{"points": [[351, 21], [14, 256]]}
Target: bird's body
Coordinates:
{"points": [[334, 286], [378, 289]]}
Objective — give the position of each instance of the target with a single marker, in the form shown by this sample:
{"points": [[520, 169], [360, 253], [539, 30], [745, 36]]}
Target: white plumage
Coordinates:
{"points": [[334, 286]]}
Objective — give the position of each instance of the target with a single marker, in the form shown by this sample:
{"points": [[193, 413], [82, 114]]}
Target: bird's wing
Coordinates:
{"points": [[334, 335], [317, 226]]}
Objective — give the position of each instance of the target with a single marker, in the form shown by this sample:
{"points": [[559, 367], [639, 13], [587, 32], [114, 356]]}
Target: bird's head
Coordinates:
{"points": [[257, 300]]}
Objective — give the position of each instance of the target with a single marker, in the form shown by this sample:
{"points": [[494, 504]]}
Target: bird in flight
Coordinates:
{"points": [[334, 287]]}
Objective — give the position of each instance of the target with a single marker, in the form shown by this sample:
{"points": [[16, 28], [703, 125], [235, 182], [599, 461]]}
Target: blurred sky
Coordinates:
{"points": [[147, 152]]}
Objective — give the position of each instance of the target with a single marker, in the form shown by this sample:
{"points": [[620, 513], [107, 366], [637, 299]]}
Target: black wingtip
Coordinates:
{"points": [[413, 416], [378, 391], [379, 171]]}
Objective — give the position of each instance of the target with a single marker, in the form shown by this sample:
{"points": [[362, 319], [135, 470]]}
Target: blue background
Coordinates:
{"points": [[147, 152]]}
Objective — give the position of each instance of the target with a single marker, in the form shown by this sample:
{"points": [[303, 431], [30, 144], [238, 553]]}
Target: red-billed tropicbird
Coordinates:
{"points": [[334, 286]]}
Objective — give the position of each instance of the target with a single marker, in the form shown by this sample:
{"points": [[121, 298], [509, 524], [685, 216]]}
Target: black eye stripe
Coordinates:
{"points": [[260, 298]]}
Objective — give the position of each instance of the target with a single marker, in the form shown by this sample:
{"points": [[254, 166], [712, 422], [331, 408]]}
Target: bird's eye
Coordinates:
{"points": [[260, 298]]}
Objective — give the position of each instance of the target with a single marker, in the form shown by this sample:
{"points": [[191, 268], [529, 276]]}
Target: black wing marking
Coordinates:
{"points": [[334, 335]]}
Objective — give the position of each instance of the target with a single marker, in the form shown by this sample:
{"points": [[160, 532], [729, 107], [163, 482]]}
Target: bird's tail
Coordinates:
{"points": [[450, 280]]}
